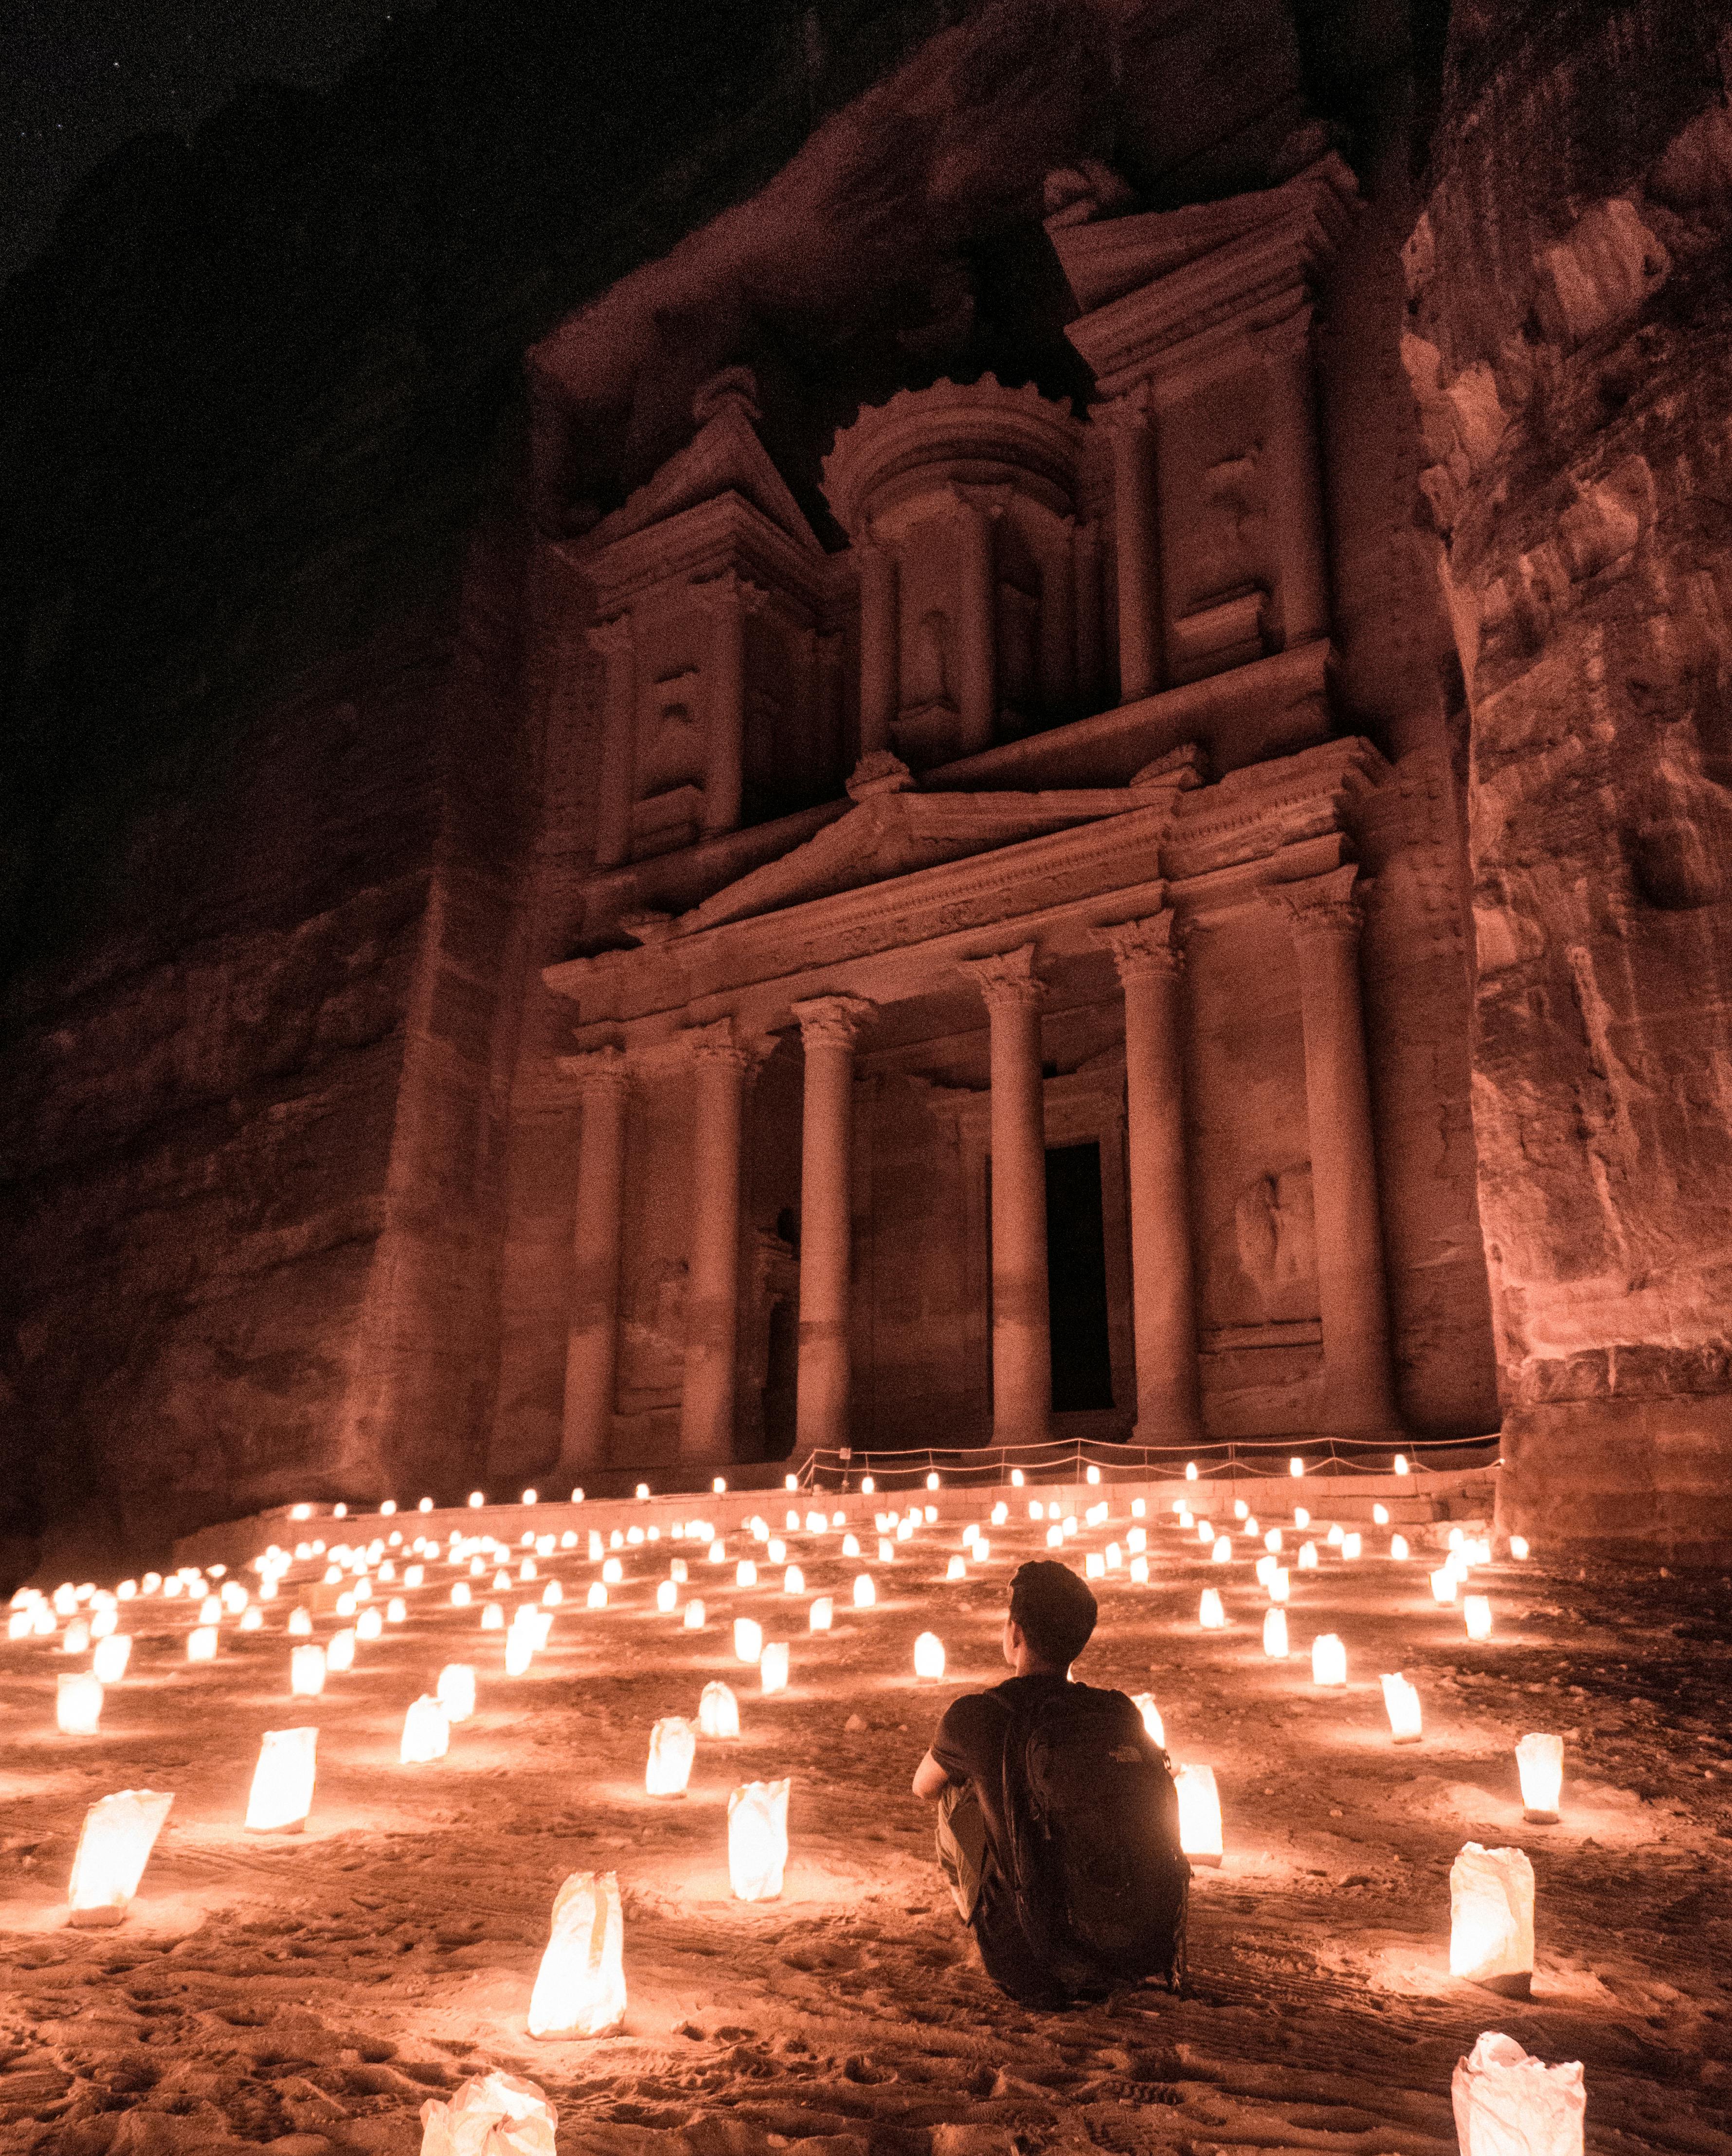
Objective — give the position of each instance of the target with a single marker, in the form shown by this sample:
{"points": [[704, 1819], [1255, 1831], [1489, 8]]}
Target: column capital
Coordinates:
{"points": [[832, 1021], [1007, 980], [1126, 414], [1287, 339], [718, 1044], [599, 1070], [730, 593], [1153, 947], [1321, 906]]}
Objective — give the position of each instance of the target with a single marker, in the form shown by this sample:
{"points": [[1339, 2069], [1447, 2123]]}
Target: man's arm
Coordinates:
{"points": [[929, 1777]]}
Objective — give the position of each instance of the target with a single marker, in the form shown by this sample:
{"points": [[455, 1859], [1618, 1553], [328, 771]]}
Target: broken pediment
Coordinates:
{"points": [[724, 457]]}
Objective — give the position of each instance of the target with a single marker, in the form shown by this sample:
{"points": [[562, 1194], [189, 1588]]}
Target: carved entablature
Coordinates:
{"points": [[960, 503], [722, 703], [1197, 325]]}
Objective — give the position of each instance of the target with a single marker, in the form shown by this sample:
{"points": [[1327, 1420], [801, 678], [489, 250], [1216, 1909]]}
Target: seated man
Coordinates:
{"points": [[1057, 1827]]}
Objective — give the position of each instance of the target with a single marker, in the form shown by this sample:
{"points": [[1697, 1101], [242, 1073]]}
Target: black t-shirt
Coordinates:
{"points": [[969, 1747]]}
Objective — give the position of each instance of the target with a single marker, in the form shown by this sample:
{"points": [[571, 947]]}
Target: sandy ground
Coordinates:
{"points": [[308, 1993]]}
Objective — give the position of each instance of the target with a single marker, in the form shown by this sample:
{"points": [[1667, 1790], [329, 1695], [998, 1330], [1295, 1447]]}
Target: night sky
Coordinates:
{"points": [[79, 77]]}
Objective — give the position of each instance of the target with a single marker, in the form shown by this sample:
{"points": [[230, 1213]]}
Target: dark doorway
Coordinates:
{"points": [[780, 1374], [1076, 1280]]}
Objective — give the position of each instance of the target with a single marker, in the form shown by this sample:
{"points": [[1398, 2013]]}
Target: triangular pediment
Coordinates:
{"points": [[896, 834], [724, 457]]}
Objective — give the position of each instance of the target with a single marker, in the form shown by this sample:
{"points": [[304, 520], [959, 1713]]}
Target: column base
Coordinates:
{"points": [[1168, 1431], [1650, 1479]]}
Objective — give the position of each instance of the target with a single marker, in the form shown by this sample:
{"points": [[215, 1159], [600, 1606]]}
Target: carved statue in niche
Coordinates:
{"points": [[1277, 1239], [931, 672], [675, 753], [652, 1334]]}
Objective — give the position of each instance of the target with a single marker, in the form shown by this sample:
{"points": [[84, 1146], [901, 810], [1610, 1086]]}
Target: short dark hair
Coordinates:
{"points": [[1055, 1610]]}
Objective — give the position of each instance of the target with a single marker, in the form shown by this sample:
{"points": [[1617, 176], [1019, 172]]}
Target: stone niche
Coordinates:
{"points": [[960, 503]]}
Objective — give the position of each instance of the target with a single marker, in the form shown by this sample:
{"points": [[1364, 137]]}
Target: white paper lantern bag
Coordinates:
{"points": [[1509, 2104], [1491, 1918], [672, 1746], [114, 1846], [494, 2115], [757, 1839], [580, 1987]]}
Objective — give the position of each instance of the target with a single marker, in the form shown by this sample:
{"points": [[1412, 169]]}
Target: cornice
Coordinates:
{"points": [[727, 532]]}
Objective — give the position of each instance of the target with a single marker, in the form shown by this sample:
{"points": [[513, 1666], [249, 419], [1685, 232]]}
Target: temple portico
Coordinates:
{"points": [[1049, 959]]}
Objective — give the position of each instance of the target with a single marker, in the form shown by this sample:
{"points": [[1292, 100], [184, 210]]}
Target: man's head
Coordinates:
{"points": [[1053, 1611]]}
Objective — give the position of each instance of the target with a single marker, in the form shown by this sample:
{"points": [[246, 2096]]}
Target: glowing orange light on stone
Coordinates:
{"points": [[580, 1988], [757, 1839], [114, 1846]]}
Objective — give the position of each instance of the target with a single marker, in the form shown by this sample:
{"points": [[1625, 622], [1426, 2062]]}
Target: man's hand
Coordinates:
{"points": [[929, 1777]]}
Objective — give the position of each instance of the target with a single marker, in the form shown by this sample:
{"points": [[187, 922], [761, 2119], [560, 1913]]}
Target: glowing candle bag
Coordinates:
{"points": [[1199, 1813], [748, 1638], [580, 1987], [77, 1704], [1144, 1704], [494, 2115], [456, 1690], [718, 1712], [1476, 1612], [865, 1593], [757, 1839], [773, 1666], [282, 1794], [929, 1655], [427, 1734], [1401, 1702], [1210, 1615], [306, 1671], [1491, 1919], [114, 1846], [1539, 1762], [673, 1747], [108, 1663], [1274, 1635], [1329, 1660], [823, 1614], [1509, 2104]]}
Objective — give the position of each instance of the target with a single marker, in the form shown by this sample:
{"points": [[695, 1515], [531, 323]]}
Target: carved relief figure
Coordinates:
{"points": [[653, 1335], [931, 671], [1277, 1241]]}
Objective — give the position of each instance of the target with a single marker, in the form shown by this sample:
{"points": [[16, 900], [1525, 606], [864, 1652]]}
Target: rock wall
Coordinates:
{"points": [[1570, 347]]}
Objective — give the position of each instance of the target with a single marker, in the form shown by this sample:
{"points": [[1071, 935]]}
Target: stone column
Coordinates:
{"points": [[1021, 1337], [720, 1068], [1088, 616], [1163, 1280], [1138, 545], [1058, 621], [604, 1081], [725, 759], [1353, 1298], [1293, 491], [828, 1027], [880, 647], [976, 629], [618, 647]]}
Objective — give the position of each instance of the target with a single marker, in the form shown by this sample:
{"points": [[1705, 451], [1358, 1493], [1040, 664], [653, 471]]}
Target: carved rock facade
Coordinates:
{"points": [[1568, 347]]}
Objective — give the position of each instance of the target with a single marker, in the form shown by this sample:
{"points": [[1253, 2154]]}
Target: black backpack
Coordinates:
{"points": [[1101, 1883]]}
